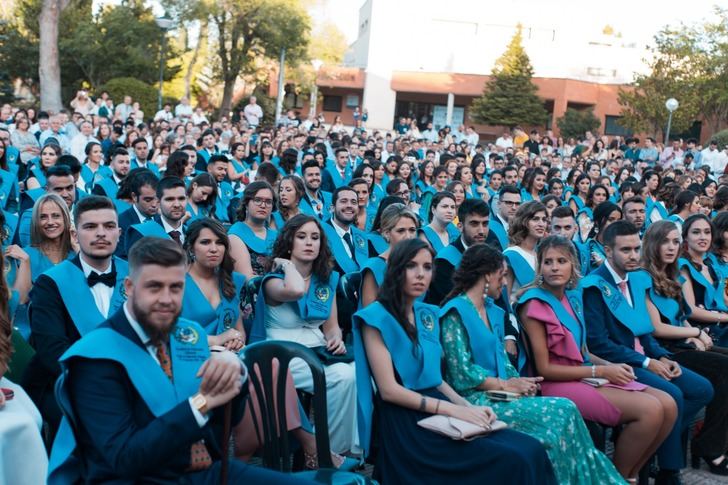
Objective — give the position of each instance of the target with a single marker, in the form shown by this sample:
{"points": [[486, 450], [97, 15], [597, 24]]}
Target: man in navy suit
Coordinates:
{"points": [[172, 195], [118, 437], [614, 289], [145, 206]]}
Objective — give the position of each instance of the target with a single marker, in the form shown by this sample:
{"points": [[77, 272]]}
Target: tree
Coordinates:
{"points": [[49, 66], [509, 97], [576, 122], [253, 30]]}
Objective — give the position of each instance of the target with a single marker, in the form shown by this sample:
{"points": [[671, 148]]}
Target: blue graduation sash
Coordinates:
{"points": [[500, 232], [676, 219], [315, 304], [278, 219], [417, 365], [713, 298], [668, 308], [635, 318], [582, 250], [577, 327], [200, 213], [11, 225], [149, 165], [90, 178], [595, 248], [222, 201], [577, 200], [526, 196], [77, 296], [451, 254], [452, 233], [39, 262], [214, 320], [361, 253], [522, 271], [150, 229], [246, 234], [8, 181], [39, 175], [377, 266], [324, 201], [109, 186], [486, 344], [35, 194], [336, 176], [378, 193], [380, 244], [188, 350]]}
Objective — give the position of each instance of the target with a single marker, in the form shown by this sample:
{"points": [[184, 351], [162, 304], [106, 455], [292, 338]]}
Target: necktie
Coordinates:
{"points": [[176, 235], [200, 459], [347, 240], [109, 279], [625, 291]]}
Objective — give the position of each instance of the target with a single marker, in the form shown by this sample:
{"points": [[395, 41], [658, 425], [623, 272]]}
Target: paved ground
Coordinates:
{"points": [[702, 477]]}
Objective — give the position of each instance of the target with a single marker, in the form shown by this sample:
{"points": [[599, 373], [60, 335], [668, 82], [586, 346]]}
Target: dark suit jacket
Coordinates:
{"points": [[126, 219], [119, 436], [133, 236], [609, 338], [52, 333], [327, 182]]}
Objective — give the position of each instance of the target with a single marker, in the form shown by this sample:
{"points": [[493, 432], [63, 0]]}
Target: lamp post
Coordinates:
{"points": [[316, 63], [671, 105], [165, 23]]}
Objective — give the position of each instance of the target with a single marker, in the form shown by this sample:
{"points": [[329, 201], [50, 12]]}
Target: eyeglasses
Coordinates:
{"points": [[263, 202], [511, 203], [404, 193]]}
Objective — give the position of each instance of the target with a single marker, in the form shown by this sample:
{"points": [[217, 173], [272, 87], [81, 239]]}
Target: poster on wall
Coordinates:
{"points": [[439, 116]]}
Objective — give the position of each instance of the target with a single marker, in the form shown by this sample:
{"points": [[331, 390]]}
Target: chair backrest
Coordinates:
{"points": [[349, 285], [271, 399], [248, 298]]}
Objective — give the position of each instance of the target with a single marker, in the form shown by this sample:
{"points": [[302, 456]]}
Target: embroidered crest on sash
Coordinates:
{"points": [[186, 335], [606, 290], [122, 291], [574, 301], [227, 318], [322, 293], [428, 320], [360, 243]]}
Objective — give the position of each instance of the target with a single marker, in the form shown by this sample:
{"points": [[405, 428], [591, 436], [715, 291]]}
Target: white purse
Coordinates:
{"points": [[458, 429]]}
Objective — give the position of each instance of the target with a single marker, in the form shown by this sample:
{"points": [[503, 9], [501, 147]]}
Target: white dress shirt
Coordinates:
{"points": [[340, 232], [168, 228], [152, 350], [102, 293]]}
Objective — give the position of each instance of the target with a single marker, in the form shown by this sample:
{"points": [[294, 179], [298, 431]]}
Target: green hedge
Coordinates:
{"points": [[721, 137], [139, 91]]}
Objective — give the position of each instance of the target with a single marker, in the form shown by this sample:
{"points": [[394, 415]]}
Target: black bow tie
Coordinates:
{"points": [[109, 279]]}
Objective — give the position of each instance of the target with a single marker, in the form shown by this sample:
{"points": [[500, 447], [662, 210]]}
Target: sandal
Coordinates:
{"points": [[340, 462]]}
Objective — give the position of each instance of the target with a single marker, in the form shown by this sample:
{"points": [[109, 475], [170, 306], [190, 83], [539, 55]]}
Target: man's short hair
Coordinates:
{"points": [[472, 206], [92, 203], [119, 151], [157, 251], [508, 189], [169, 183], [617, 229], [140, 179], [309, 164], [561, 212], [633, 200], [59, 171], [393, 186], [335, 195], [69, 161], [139, 140], [218, 158]]}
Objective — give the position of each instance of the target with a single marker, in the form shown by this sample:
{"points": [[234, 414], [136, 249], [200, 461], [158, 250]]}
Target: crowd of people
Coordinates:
{"points": [[553, 285]]}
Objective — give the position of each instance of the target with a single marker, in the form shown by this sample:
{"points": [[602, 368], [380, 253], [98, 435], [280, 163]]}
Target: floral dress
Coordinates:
{"points": [[554, 421]]}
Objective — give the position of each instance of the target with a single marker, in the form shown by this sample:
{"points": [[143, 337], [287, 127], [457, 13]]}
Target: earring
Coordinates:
{"points": [[487, 287], [571, 284], [539, 280], [191, 257]]}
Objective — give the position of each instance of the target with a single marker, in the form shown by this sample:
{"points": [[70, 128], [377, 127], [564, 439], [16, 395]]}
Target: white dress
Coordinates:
{"points": [[282, 322]]}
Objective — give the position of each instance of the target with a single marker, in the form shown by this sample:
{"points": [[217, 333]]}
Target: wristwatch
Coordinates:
{"points": [[200, 403]]}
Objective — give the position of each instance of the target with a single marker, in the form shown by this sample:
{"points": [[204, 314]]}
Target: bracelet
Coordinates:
{"points": [[437, 408], [594, 371], [700, 332], [423, 403]]}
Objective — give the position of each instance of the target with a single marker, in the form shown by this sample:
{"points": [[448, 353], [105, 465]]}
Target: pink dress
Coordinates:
{"points": [[563, 350]]}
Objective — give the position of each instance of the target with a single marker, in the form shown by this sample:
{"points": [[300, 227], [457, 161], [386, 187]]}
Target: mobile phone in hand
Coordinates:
{"points": [[8, 393]]}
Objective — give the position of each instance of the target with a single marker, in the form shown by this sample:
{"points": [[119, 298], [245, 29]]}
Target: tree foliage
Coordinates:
{"points": [[140, 91], [690, 64], [509, 97], [575, 122]]}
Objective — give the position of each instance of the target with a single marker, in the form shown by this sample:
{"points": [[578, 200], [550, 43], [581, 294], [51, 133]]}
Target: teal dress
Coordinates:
{"points": [[197, 308], [554, 421]]}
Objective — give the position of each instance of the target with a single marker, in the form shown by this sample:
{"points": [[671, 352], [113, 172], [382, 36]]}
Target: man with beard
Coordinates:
{"points": [[109, 186], [73, 298], [633, 210], [315, 201], [509, 200], [145, 205], [141, 154], [172, 196], [217, 167], [348, 244], [144, 391]]}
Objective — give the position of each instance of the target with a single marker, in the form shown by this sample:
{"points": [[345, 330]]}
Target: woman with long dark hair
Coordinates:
{"points": [[290, 193], [593, 254], [690, 346], [525, 230], [251, 240], [551, 313], [397, 344], [299, 294], [93, 168], [38, 170], [471, 333], [201, 196], [441, 231], [687, 203]]}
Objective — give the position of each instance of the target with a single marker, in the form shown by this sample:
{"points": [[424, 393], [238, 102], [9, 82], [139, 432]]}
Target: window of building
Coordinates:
{"points": [[352, 101], [613, 128], [332, 103], [601, 72]]}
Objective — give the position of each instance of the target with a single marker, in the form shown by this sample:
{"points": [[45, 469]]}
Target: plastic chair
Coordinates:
{"points": [[276, 453], [22, 355], [347, 301]]}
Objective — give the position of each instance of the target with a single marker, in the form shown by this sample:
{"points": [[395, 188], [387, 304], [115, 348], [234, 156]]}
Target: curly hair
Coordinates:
{"points": [[478, 260], [518, 228], [664, 276], [225, 271], [283, 247], [249, 194]]}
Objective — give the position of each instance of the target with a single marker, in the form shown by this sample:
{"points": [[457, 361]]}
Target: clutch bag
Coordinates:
{"points": [[458, 429]]}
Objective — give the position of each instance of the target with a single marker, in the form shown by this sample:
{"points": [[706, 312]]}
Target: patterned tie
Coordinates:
{"points": [[177, 236], [625, 291], [200, 459]]}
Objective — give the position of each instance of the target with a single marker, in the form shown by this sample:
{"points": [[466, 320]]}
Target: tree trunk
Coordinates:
{"points": [[227, 96], [202, 37], [49, 68]]}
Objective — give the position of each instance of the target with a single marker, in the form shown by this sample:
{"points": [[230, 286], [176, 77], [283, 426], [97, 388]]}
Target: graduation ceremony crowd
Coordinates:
{"points": [[571, 289]]}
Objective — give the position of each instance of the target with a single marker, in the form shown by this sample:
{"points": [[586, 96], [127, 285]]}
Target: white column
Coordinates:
{"points": [[450, 108]]}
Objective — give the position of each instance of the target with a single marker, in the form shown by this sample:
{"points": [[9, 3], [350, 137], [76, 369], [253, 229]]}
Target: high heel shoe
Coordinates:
{"points": [[719, 469]]}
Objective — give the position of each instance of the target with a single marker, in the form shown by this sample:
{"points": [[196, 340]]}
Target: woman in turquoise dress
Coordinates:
{"points": [[397, 345], [201, 196], [441, 230], [471, 327], [212, 287], [398, 224], [251, 240]]}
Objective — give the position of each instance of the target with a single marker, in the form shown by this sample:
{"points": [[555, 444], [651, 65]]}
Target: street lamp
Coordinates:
{"points": [[165, 23], [671, 105], [316, 63]]}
